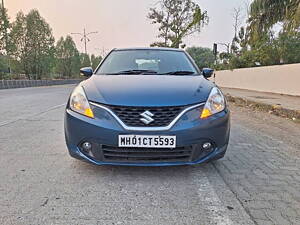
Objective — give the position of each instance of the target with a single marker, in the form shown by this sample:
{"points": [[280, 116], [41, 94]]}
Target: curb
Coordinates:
{"points": [[272, 109], [9, 84]]}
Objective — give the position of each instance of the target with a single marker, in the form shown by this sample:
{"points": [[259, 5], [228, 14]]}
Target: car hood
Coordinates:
{"points": [[147, 90]]}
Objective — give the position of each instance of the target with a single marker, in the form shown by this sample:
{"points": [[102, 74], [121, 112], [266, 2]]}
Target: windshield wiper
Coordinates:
{"points": [[135, 72], [180, 72]]}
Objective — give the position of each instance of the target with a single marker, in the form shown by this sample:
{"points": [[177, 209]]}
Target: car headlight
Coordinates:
{"points": [[79, 102], [214, 104]]}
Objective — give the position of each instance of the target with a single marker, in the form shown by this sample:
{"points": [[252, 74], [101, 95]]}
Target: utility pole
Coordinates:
{"points": [[215, 51], [84, 38]]}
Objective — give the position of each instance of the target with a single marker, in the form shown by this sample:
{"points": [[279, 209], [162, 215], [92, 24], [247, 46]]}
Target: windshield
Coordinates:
{"points": [[147, 62]]}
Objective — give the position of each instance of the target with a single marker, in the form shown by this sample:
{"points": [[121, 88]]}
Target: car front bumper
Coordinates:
{"points": [[190, 131]]}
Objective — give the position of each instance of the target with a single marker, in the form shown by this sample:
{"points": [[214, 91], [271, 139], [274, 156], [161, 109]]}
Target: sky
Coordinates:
{"points": [[122, 23]]}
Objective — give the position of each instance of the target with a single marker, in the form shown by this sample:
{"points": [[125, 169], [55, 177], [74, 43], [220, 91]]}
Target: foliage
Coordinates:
{"points": [[4, 28], [2, 65], [288, 44], [95, 60], [265, 13], [32, 44], [257, 44], [67, 57], [266, 51], [203, 57], [27, 47], [85, 60], [177, 19]]}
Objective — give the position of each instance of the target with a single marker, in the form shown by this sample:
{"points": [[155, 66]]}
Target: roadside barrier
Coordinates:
{"points": [[8, 84], [283, 79]]}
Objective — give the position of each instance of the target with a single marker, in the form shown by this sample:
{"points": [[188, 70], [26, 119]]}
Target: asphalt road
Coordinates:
{"points": [[256, 183]]}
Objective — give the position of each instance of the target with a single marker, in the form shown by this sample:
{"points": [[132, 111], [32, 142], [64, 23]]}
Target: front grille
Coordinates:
{"points": [[116, 154], [162, 116]]}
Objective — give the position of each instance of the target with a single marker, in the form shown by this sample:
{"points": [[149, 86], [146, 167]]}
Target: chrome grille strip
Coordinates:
{"points": [[147, 128]]}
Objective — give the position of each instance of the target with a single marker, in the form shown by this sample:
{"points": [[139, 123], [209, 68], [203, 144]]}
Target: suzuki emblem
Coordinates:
{"points": [[147, 117]]}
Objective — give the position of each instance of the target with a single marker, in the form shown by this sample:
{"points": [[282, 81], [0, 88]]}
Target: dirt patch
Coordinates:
{"points": [[277, 110]]}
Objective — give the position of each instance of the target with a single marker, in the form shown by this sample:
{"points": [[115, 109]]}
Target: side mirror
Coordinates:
{"points": [[207, 72], [86, 71]]}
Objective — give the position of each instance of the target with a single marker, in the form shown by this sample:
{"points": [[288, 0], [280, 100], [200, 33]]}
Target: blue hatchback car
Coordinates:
{"points": [[147, 107]]}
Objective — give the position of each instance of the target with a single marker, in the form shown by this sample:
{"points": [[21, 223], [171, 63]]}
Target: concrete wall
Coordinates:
{"points": [[6, 84], [284, 79]]}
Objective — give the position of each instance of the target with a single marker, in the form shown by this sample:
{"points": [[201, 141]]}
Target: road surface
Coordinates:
{"points": [[258, 182]]}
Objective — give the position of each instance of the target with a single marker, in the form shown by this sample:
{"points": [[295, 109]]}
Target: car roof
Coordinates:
{"points": [[149, 48]]}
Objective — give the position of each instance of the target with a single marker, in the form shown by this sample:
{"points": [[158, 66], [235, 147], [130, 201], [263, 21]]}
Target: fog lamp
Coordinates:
{"points": [[87, 146], [206, 145]]}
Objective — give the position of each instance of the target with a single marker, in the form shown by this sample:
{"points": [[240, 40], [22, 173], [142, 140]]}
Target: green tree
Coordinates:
{"points": [[265, 13], [67, 57], [288, 45], [95, 60], [32, 44], [203, 57], [4, 29], [258, 44], [177, 19], [18, 43], [2, 66], [85, 60]]}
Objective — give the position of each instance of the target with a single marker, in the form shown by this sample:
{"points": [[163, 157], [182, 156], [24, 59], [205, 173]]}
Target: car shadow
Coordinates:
{"points": [[87, 169]]}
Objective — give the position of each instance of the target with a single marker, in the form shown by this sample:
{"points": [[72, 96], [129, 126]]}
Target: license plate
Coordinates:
{"points": [[143, 141]]}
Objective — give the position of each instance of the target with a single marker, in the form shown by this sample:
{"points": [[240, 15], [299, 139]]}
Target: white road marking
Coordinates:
{"points": [[210, 200]]}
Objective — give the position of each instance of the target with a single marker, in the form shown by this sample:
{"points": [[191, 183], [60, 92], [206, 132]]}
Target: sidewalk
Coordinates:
{"points": [[282, 105]]}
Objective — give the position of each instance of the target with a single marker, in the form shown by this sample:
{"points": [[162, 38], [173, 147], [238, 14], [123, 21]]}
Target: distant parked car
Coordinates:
{"points": [[147, 107]]}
